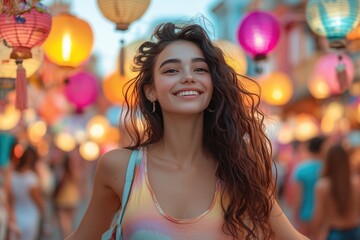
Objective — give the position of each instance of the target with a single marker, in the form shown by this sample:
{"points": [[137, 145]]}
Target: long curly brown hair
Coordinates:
{"points": [[234, 133]]}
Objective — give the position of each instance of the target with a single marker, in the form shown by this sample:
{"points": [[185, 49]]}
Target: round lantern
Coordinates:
{"points": [[333, 19], [70, 41], [8, 65], [337, 76], [126, 58], [354, 34], [114, 88], [81, 90], [23, 27], [97, 128], [123, 12], [277, 88], [89, 150], [234, 56], [10, 117], [258, 33]]}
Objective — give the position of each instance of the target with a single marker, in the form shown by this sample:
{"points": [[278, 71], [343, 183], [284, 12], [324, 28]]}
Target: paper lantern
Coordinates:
{"points": [[23, 27], [338, 77], [123, 12], [306, 127], [10, 117], [8, 65], [318, 87], [354, 34], [234, 56], [114, 88], [97, 128], [333, 19], [258, 33], [89, 150], [70, 41], [277, 88], [81, 89], [126, 58], [64, 141]]}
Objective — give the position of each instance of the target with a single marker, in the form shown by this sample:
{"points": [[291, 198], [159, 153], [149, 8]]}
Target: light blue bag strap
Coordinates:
{"points": [[127, 187]]}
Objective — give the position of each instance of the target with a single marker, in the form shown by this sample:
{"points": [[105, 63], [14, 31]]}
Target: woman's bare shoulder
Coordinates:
{"points": [[112, 166]]}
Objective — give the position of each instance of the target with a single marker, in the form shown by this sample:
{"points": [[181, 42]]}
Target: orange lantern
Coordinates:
{"points": [[123, 12], [70, 41], [354, 34], [114, 88], [277, 88]]}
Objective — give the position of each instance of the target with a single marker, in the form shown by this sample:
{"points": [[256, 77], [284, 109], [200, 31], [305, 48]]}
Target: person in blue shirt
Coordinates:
{"points": [[306, 174]]}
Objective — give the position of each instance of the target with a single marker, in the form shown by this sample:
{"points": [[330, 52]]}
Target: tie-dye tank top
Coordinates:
{"points": [[145, 220]]}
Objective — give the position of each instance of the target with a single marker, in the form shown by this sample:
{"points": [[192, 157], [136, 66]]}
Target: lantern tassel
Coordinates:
{"points": [[341, 74], [122, 58], [21, 86]]}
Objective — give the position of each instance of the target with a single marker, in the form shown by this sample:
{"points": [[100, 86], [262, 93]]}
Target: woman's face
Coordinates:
{"points": [[182, 80]]}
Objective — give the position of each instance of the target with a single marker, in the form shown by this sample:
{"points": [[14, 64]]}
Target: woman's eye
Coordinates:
{"points": [[201, 70], [170, 71]]}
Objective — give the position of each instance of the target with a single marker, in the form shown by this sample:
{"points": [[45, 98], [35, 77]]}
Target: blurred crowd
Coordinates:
{"points": [[41, 197], [44, 197]]}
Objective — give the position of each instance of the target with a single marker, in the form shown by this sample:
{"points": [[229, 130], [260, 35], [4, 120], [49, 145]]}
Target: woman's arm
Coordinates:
{"points": [[105, 201], [281, 226], [319, 209]]}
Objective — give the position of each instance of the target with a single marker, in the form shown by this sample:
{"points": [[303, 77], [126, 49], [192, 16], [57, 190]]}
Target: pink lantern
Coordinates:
{"points": [[258, 33], [81, 90], [338, 73], [23, 27]]}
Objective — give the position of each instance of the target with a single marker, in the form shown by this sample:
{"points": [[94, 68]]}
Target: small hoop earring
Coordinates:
{"points": [[153, 107], [210, 110]]}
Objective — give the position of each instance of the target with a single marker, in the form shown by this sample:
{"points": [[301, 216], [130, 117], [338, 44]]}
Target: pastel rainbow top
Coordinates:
{"points": [[144, 218]]}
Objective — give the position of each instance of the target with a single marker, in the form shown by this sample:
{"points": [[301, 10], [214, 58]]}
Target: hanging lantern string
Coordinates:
{"points": [[21, 86], [341, 73], [122, 58]]}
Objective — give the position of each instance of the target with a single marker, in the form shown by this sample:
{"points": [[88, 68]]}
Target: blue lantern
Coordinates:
{"points": [[333, 19]]}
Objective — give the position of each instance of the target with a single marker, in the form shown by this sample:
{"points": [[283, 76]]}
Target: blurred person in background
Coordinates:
{"points": [[27, 199], [305, 176], [337, 199], [67, 196], [7, 221]]}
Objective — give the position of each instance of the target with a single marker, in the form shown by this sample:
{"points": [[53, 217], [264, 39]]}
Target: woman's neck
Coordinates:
{"points": [[182, 139]]}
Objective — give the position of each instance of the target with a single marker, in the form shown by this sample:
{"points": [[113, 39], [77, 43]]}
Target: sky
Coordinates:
{"points": [[107, 38]]}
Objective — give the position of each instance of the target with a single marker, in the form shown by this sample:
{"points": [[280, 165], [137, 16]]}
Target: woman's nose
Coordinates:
{"points": [[188, 78]]}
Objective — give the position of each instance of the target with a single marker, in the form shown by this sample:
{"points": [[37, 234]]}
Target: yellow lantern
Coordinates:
{"points": [[306, 127], [234, 56], [127, 60], [70, 41], [114, 87], [9, 118], [277, 88], [97, 128], [89, 150], [65, 141], [123, 12], [318, 86]]}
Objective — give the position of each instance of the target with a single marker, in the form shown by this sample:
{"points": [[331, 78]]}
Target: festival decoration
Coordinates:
{"points": [[24, 25], [258, 34], [88, 84], [333, 19], [70, 41]]}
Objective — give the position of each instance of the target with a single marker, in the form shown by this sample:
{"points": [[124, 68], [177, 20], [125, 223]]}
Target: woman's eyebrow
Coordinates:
{"points": [[176, 60]]}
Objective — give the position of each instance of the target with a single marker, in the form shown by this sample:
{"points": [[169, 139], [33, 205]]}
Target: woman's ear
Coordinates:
{"points": [[150, 92]]}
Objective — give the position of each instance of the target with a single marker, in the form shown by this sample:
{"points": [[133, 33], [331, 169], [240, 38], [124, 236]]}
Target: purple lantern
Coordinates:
{"points": [[258, 33], [81, 90], [337, 70]]}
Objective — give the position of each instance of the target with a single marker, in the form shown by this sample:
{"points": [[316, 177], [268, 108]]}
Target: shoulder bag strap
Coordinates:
{"points": [[133, 161]]}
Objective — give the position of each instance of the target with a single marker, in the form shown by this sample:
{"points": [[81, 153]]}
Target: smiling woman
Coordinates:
{"points": [[203, 161]]}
